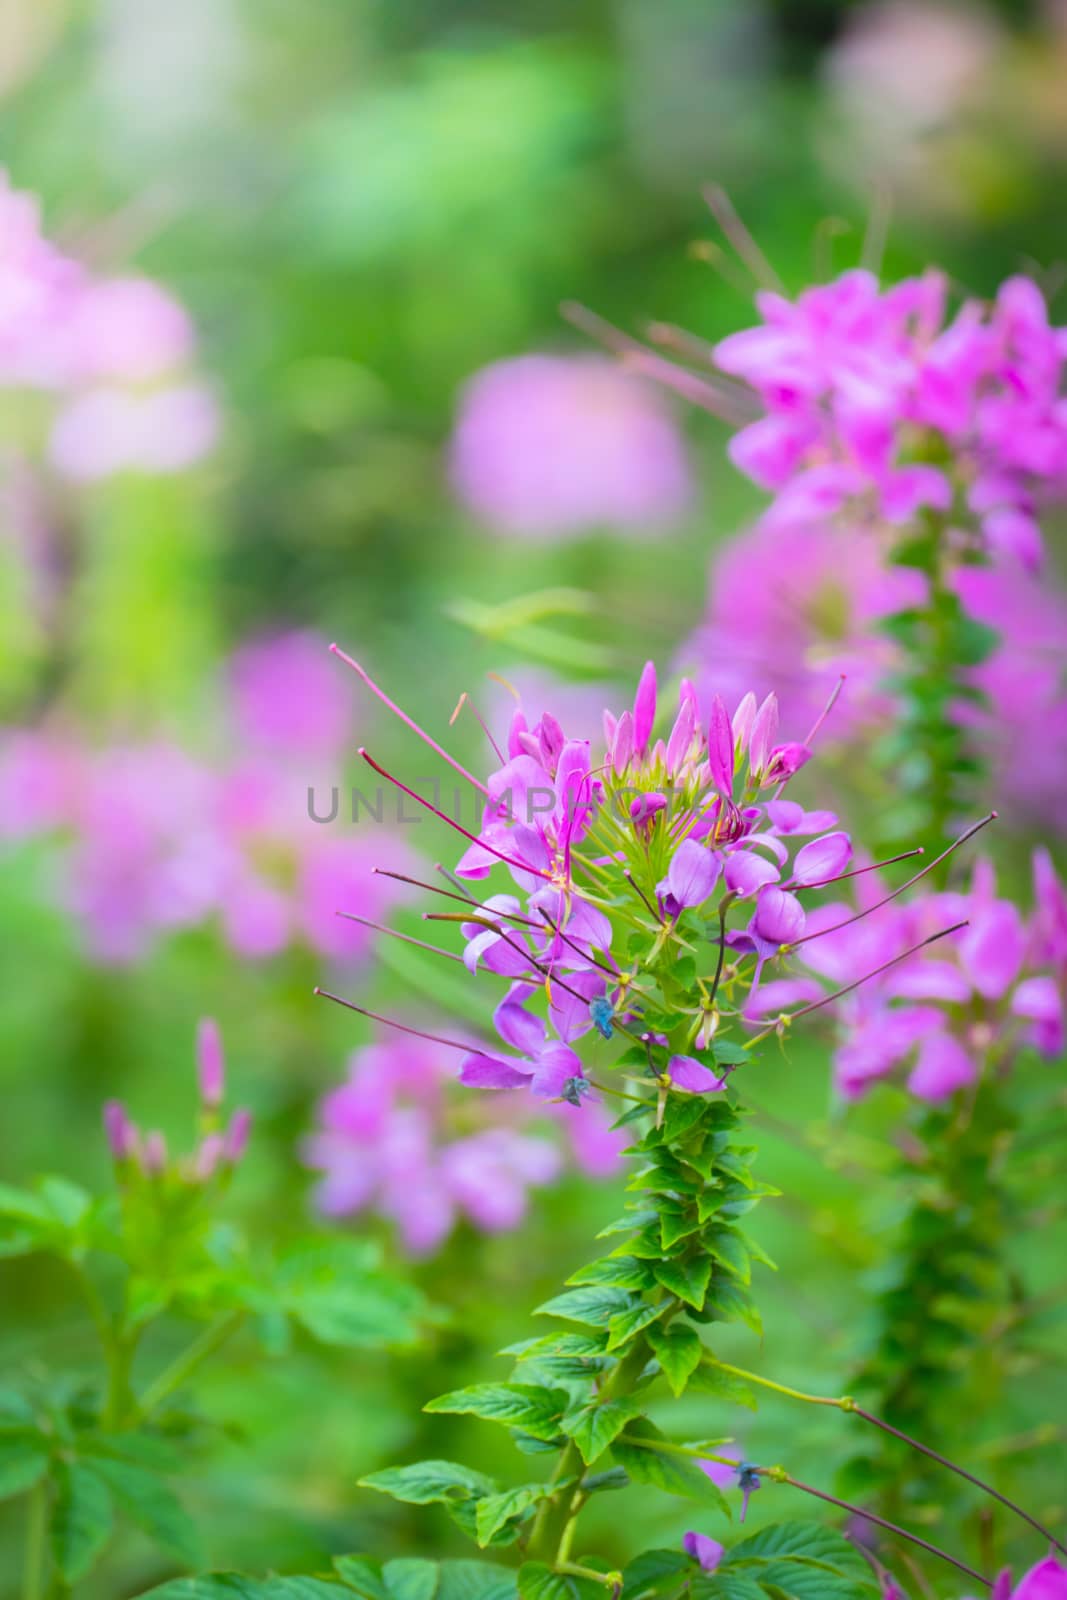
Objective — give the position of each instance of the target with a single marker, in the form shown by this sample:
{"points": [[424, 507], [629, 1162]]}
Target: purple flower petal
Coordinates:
{"points": [[721, 748], [489, 1072], [645, 707], [779, 916], [693, 874], [516, 1026], [707, 1552], [686, 1072], [943, 1066], [992, 949], [747, 872], [822, 859]]}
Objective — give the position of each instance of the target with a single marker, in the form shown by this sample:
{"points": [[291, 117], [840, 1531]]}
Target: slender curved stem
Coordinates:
{"points": [[185, 1364], [36, 1536], [846, 1404]]}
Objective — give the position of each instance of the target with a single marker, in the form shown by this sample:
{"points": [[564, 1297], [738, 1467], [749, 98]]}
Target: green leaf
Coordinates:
{"points": [[682, 1113], [620, 1272], [729, 1054], [636, 1219], [728, 1248], [641, 1451], [365, 1575], [335, 1292], [621, 1329], [810, 1542], [595, 1425], [153, 1505], [517, 1405], [687, 1279], [468, 1580], [426, 1483], [81, 1519], [679, 1351], [238, 1586], [595, 1306], [538, 1582], [654, 1572], [728, 1586], [23, 1461], [729, 1303], [497, 1511], [677, 1223]]}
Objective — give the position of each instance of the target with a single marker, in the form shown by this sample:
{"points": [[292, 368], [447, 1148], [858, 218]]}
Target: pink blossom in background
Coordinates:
{"points": [[862, 385], [1024, 726], [949, 1012], [394, 1139], [288, 696], [38, 290], [127, 328], [105, 431], [117, 352], [794, 613], [553, 446]]}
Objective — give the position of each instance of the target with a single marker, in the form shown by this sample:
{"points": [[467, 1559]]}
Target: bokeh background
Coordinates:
{"points": [[360, 205]]}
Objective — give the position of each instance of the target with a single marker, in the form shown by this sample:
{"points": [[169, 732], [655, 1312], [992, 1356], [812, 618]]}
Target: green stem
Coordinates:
{"points": [[36, 1536], [185, 1364]]}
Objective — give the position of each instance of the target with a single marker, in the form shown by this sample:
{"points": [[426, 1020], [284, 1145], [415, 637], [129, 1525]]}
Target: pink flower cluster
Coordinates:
{"points": [[555, 446], [217, 1151], [876, 401], [394, 1139], [115, 351], [950, 1011], [150, 839], [798, 613]]}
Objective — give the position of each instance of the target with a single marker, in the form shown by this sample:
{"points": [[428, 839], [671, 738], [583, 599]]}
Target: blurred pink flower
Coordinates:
{"points": [[392, 1138], [104, 431], [38, 289], [288, 696], [553, 446], [128, 328], [792, 613]]}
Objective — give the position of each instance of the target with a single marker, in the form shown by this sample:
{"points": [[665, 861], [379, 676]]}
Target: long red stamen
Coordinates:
{"points": [[839, 993], [387, 1022], [406, 938], [857, 872], [511, 861], [914, 879], [494, 927], [408, 721]]}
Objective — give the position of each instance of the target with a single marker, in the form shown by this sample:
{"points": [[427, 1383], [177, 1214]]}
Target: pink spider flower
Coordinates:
{"points": [[395, 1139], [863, 387], [943, 1016]]}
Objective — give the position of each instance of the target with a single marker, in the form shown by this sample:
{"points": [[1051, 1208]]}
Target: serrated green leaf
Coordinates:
{"points": [[677, 1223], [595, 1306], [534, 1409], [153, 1505], [679, 1351], [81, 1519], [430, 1482], [810, 1542], [728, 1586], [623, 1328], [654, 1572], [23, 1461], [645, 1454], [729, 1250], [729, 1303], [337, 1294], [681, 1114], [687, 1279], [538, 1582], [631, 1223], [619, 1272], [496, 1511], [593, 1426], [366, 1577]]}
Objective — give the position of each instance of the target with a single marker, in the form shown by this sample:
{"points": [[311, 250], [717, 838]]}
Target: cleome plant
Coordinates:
{"points": [[662, 900]]}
